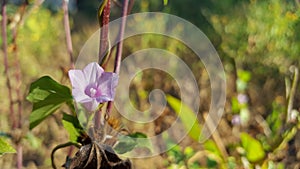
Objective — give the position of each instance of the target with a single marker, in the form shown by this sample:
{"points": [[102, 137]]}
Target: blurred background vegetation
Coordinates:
{"points": [[257, 40]]}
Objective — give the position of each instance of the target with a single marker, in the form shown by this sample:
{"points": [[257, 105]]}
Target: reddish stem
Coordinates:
{"points": [[16, 122], [6, 67], [130, 6], [120, 38], [19, 156], [69, 44], [18, 74], [18, 77], [119, 46], [103, 48], [68, 32]]}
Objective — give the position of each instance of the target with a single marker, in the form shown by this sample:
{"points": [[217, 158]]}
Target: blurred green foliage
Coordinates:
{"points": [[260, 32], [5, 147], [253, 148], [43, 33]]}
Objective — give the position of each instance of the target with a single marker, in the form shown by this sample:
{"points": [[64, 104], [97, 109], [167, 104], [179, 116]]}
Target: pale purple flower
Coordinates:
{"points": [[236, 120], [242, 98], [92, 86]]}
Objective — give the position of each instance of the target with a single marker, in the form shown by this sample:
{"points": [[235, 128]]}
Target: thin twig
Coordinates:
{"points": [[16, 123], [120, 38], [17, 65], [68, 32], [119, 47], [215, 135], [69, 43], [130, 6], [19, 156], [103, 17], [6, 66], [288, 125], [117, 3], [18, 77], [292, 92]]}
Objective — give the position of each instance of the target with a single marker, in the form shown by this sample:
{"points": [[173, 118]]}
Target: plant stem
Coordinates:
{"points": [[103, 18], [292, 92], [119, 47], [130, 6], [16, 122], [18, 77], [18, 74], [68, 42], [6, 67], [59, 147], [215, 135], [68, 32], [120, 38], [103, 21], [19, 156]]}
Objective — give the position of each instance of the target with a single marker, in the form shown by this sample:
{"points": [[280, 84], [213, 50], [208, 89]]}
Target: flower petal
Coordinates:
{"points": [[103, 99], [92, 85], [90, 104], [92, 72], [77, 80], [107, 84], [78, 95]]}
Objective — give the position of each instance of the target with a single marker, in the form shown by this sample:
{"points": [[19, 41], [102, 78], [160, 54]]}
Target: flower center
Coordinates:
{"points": [[92, 91]]}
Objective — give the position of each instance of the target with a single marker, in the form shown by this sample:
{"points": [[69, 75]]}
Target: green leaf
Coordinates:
{"points": [[188, 152], [135, 140], [72, 125], [175, 154], [187, 116], [47, 96], [5, 147], [138, 135], [211, 163], [254, 149], [142, 141], [211, 146], [125, 144], [231, 163], [274, 119]]}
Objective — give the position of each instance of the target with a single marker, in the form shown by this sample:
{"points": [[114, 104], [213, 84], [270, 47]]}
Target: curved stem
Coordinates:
{"points": [[59, 147]]}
